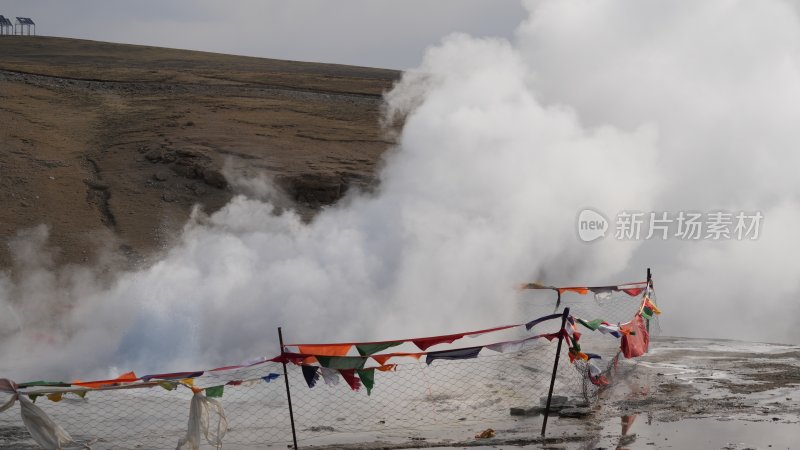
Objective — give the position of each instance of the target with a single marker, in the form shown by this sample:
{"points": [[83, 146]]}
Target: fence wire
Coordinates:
{"points": [[446, 393]]}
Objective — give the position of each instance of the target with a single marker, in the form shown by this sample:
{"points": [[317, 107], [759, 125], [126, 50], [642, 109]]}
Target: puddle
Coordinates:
{"points": [[666, 344], [637, 432]]}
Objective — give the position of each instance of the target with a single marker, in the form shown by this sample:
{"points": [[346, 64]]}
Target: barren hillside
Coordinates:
{"points": [[104, 140]]}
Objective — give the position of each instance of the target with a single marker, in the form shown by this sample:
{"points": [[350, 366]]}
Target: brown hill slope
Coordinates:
{"points": [[100, 139]]}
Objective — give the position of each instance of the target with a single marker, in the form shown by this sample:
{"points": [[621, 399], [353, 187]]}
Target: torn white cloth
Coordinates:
{"points": [[42, 429], [330, 376], [200, 410], [510, 346]]}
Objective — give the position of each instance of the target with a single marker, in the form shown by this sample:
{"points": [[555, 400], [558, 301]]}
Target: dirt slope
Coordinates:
{"points": [[102, 140]]}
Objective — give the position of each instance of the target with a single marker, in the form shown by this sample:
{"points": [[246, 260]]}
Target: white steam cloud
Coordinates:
{"points": [[721, 82], [613, 105]]}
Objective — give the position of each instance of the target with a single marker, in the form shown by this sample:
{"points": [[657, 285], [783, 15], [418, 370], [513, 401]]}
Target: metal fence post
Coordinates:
{"points": [[555, 368], [288, 391], [649, 280]]}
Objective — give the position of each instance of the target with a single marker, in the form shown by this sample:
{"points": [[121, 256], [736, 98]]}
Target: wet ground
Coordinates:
{"points": [[691, 393], [685, 394]]}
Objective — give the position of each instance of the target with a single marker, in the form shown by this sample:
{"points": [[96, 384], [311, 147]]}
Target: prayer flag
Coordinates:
{"points": [[311, 374], [653, 308], [270, 377], [367, 377], [462, 353], [128, 377], [381, 359], [172, 376], [368, 349], [168, 385], [577, 290], [633, 292], [510, 346], [592, 324], [38, 383], [425, 343], [342, 362], [215, 392], [607, 328], [350, 377], [330, 376], [325, 349]]}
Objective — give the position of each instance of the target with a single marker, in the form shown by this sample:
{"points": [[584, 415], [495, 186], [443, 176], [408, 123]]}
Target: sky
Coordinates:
{"points": [[374, 33], [618, 106]]}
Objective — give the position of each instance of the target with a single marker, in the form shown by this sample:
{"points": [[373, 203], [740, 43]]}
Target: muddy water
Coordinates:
{"points": [[632, 432]]}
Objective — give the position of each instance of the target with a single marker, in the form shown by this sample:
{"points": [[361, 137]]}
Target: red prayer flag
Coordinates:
{"points": [[350, 377], [425, 343], [633, 292]]}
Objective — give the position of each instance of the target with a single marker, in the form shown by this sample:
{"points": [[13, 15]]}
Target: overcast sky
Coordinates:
{"points": [[375, 33]]}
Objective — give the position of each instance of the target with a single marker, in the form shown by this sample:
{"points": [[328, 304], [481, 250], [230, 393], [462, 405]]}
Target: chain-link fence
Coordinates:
{"points": [[414, 395]]}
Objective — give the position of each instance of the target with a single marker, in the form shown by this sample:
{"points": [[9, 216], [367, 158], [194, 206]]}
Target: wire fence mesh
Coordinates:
{"points": [[415, 395]]}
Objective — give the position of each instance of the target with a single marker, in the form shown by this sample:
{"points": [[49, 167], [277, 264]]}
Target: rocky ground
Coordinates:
{"points": [[112, 145]]}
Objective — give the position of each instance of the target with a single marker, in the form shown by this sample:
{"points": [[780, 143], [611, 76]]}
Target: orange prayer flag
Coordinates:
{"points": [[387, 367], [626, 328], [649, 303], [381, 359], [129, 377], [325, 349], [577, 290]]}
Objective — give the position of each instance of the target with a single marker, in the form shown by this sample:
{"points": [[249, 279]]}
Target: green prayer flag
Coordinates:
{"points": [[168, 385], [592, 325], [647, 312], [43, 383], [342, 362], [368, 349], [575, 345], [214, 392], [367, 378]]}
